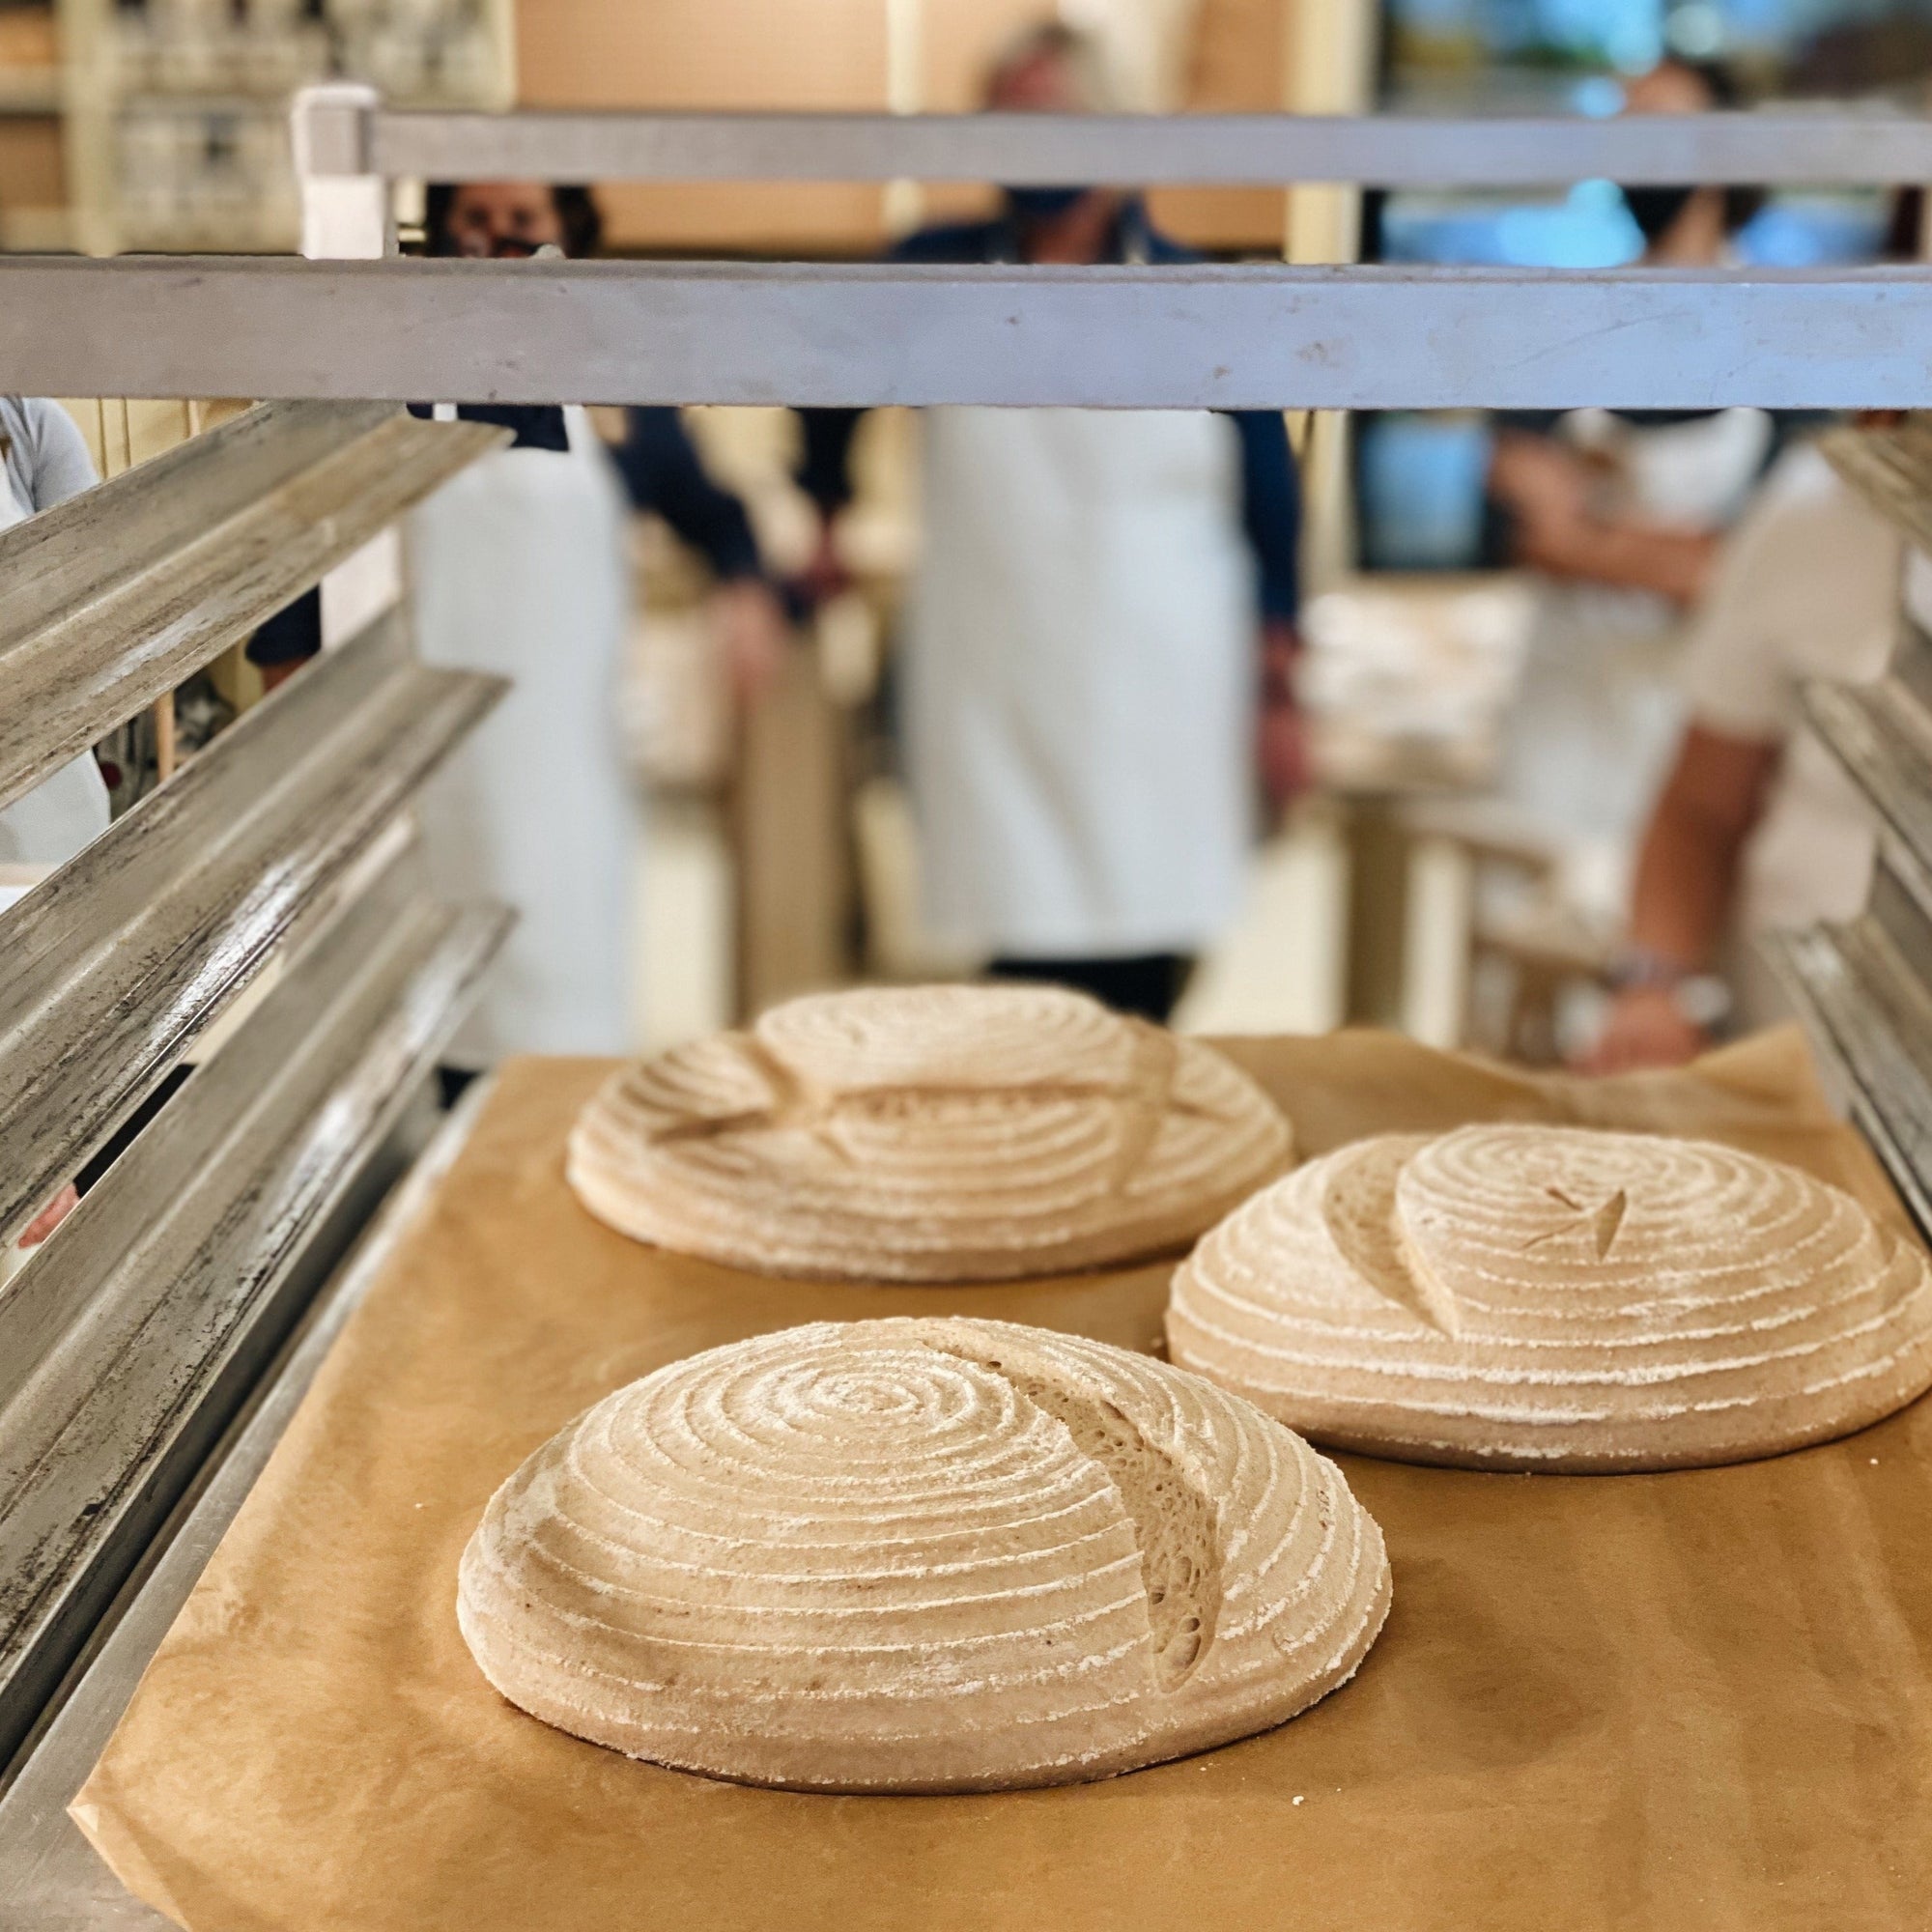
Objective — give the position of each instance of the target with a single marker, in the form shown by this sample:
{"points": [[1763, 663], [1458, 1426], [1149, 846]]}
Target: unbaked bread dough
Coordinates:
{"points": [[929, 1133], [920, 1555], [1538, 1297]]}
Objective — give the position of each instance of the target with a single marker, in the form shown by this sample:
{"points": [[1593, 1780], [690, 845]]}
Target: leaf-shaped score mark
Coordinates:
{"points": [[1603, 1221]]}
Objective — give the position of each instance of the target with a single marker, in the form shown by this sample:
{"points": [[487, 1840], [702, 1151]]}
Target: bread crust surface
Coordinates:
{"points": [[920, 1555], [1561, 1298], [927, 1133]]}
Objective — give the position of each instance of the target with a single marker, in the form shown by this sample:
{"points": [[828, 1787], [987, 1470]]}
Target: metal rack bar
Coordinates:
{"points": [[1259, 337], [131, 1337], [124, 954], [117, 595], [1865, 988], [1870, 1011], [1829, 147], [1892, 469], [1883, 737]]}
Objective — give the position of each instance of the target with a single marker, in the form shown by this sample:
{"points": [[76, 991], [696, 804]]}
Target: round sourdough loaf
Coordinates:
{"points": [[931, 1133], [920, 1555], [1557, 1298]]}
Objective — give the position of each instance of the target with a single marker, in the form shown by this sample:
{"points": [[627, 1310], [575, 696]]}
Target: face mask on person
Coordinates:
{"points": [[1655, 210], [1029, 205]]}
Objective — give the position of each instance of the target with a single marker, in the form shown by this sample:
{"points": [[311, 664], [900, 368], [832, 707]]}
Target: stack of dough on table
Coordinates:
{"points": [[952, 1555]]}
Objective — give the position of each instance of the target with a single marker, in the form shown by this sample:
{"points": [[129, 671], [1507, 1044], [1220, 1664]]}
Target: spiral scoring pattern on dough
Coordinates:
{"points": [[933, 1133], [1557, 1298], [920, 1555]]}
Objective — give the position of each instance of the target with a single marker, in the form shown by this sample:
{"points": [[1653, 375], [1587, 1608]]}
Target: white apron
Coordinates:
{"points": [[66, 809], [1598, 715], [1080, 671], [519, 566]]}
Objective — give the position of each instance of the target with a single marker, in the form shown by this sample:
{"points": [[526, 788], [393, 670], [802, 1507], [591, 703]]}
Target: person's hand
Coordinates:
{"points": [[825, 577], [50, 1216], [1545, 489], [1645, 1026], [1281, 730], [1282, 754], [1535, 474], [750, 625]]}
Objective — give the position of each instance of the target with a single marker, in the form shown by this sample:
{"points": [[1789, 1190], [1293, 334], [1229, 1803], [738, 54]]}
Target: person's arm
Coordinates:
{"points": [[1687, 880], [1544, 491], [824, 470], [825, 474], [1675, 564], [662, 471], [1687, 866], [1271, 523], [1271, 512], [825, 464]]}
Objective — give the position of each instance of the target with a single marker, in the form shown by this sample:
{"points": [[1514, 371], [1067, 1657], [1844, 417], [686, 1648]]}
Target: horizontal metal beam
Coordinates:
{"points": [[1835, 148], [1195, 337], [117, 595], [131, 1338], [117, 961]]}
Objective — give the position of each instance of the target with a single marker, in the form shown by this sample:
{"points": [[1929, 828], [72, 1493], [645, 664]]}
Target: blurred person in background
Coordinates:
{"points": [[521, 565], [1101, 621], [1623, 514], [1757, 829], [1637, 500], [657, 462]]}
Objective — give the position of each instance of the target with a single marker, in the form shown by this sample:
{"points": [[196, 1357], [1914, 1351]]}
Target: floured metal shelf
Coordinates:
{"points": [[129, 1338], [1870, 1021], [115, 963], [1883, 737], [280, 864], [1892, 469], [120, 593], [55, 1881], [1864, 989]]}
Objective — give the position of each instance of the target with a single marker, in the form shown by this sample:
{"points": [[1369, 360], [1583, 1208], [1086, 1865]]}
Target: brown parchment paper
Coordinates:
{"points": [[1700, 1700]]}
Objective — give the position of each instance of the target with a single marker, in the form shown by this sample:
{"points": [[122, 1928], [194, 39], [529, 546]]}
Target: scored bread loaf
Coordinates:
{"points": [[930, 1133], [920, 1555], [1558, 1298]]}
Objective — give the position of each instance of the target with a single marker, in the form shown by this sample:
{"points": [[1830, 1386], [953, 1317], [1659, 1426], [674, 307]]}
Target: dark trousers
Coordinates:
{"points": [[1149, 984]]}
